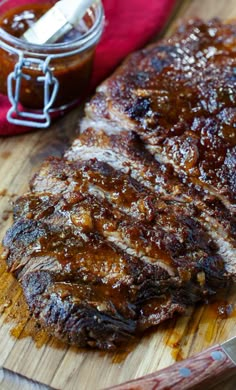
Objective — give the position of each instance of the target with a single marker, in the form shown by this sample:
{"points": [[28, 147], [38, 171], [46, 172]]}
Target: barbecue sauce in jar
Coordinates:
{"points": [[71, 58]]}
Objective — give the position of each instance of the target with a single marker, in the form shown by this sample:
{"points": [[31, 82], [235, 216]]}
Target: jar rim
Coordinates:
{"points": [[90, 37]]}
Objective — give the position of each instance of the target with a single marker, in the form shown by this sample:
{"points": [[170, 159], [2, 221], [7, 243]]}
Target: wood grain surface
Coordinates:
{"points": [[28, 356], [197, 372]]}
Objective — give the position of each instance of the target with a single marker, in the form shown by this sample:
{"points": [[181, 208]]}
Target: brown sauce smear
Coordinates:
{"points": [[3, 192], [199, 322], [15, 310], [6, 214], [5, 155]]}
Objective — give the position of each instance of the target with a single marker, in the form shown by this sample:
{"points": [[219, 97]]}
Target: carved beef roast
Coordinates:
{"points": [[137, 220]]}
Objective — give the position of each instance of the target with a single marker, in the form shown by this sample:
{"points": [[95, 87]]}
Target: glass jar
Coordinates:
{"points": [[41, 79]]}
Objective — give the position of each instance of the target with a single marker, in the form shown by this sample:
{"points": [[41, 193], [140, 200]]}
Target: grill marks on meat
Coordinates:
{"points": [[125, 230]]}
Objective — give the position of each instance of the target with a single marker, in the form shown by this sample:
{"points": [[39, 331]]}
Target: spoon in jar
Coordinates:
{"points": [[58, 21]]}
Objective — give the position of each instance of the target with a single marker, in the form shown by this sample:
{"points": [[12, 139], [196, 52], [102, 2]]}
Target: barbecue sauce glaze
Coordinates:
{"points": [[72, 72]]}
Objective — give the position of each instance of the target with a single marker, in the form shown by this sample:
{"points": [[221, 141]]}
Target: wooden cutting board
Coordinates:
{"points": [[29, 358]]}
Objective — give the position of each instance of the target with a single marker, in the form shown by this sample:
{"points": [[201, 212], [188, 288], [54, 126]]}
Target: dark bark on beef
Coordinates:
{"points": [[182, 105], [74, 324], [24, 231], [134, 225]]}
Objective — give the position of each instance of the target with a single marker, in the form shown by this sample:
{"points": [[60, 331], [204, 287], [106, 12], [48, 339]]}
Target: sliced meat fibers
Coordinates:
{"points": [[137, 221]]}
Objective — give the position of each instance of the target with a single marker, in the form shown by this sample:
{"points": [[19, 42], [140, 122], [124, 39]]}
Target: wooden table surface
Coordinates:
{"points": [[29, 359]]}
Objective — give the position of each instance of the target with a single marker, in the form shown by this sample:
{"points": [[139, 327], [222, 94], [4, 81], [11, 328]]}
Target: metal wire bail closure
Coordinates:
{"points": [[24, 117]]}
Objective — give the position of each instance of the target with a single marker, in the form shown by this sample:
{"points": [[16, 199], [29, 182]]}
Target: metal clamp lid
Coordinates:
{"points": [[29, 56], [29, 117]]}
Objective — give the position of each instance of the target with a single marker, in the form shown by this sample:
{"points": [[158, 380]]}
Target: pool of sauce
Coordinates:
{"points": [[73, 72]]}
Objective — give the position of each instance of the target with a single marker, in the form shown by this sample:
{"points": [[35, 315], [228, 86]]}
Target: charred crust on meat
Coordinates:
{"points": [[137, 221]]}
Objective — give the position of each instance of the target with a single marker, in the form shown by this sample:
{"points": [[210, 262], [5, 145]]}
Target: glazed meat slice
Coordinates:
{"points": [[122, 210], [98, 268], [126, 152], [178, 96]]}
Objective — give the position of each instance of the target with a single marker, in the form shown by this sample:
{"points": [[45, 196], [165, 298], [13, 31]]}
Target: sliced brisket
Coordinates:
{"points": [[137, 220]]}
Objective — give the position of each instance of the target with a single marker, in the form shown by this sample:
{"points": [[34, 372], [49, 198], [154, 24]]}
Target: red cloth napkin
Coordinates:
{"points": [[129, 25]]}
